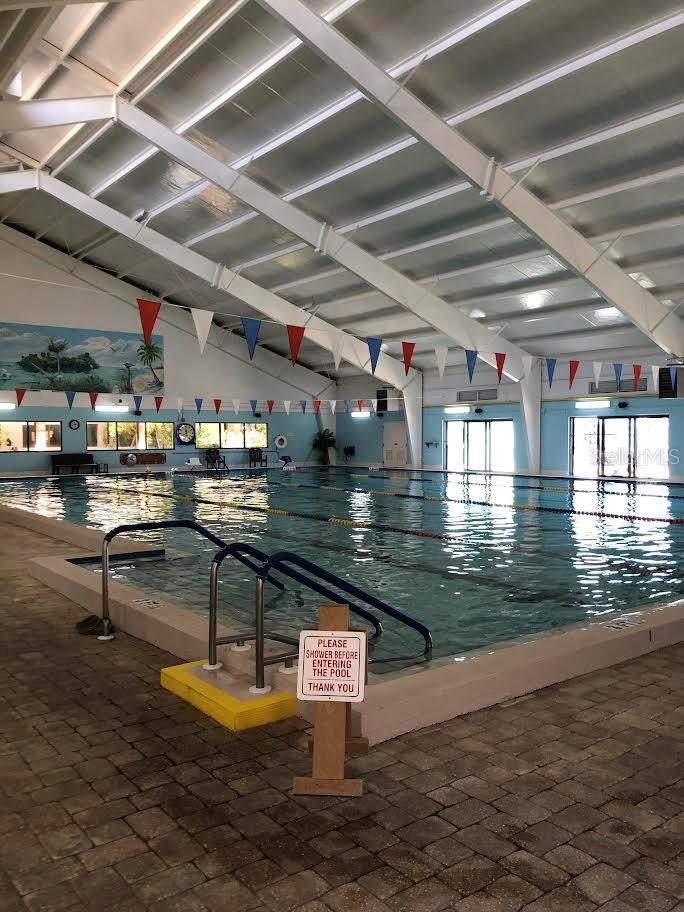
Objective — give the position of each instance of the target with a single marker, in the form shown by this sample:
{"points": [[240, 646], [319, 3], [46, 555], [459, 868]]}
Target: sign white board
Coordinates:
{"points": [[332, 665]]}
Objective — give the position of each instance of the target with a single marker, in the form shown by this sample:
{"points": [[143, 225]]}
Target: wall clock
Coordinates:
{"points": [[74, 424], [185, 434]]}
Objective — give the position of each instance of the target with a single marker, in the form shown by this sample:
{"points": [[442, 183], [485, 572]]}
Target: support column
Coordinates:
{"points": [[413, 409], [530, 400], [328, 422]]}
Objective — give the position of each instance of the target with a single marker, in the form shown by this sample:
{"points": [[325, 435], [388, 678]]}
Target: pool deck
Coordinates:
{"points": [[116, 795]]}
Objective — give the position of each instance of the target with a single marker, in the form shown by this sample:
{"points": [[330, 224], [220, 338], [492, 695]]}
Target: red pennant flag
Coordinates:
{"points": [[149, 310], [93, 399], [20, 395], [270, 403], [158, 401], [217, 405], [295, 334], [407, 349], [637, 375], [500, 361], [574, 366], [359, 402], [317, 406]]}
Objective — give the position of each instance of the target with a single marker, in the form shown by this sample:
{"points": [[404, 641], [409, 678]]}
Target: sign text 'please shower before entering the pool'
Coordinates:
{"points": [[332, 665]]}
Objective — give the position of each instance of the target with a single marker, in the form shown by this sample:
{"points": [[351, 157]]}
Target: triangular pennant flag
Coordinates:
{"points": [[236, 406], [269, 405], [655, 369], [286, 406], [157, 402], [407, 349], [441, 352], [217, 405], [673, 379], [573, 367], [347, 405], [137, 402], [202, 320], [253, 403], [179, 408], [336, 347], [528, 361], [333, 405], [618, 374], [149, 311], [471, 359], [70, 399], [317, 406], [374, 346], [374, 404], [500, 361], [20, 393], [295, 334], [598, 365], [360, 404], [198, 405], [251, 329], [93, 399], [637, 375], [550, 370], [302, 403]]}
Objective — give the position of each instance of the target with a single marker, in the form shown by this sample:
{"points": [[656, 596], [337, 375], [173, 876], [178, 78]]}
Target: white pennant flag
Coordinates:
{"points": [[286, 406], [336, 346], [333, 405], [528, 361], [597, 371], [441, 352], [374, 404], [202, 320], [656, 377], [236, 405], [179, 408]]}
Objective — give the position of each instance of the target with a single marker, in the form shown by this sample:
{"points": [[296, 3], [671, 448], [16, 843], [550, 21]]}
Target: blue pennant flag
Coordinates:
{"points": [[251, 328], [198, 405], [347, 403], [374, 346], [70, 399], [550, 370], [618, 374], [471, 358], [302, 402], [253, 403], [138, 402], [673, 379]]}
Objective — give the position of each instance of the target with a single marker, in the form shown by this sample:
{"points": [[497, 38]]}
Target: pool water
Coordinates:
{"points": [[478, 559]]}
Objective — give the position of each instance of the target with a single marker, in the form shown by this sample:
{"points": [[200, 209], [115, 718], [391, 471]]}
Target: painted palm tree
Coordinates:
{"points": [[56, 347], [150, 354]]}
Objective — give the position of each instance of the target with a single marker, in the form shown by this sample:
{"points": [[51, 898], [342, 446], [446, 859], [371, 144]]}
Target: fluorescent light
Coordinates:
{"points": [[7, 406], [363, 414], [534, 300], [607, 313], [112, 408], [457, 410], [593, 404]]}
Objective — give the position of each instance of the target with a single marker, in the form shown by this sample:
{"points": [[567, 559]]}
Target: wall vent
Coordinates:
{"points": [[610, 386], [478, 395]]}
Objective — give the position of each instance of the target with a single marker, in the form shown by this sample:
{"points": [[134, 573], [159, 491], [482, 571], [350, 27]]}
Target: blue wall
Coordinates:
{"points": [[298, 428], [363, 433]]}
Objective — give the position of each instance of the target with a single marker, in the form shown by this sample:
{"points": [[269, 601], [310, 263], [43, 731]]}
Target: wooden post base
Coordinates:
{"points": [[347, 788]]}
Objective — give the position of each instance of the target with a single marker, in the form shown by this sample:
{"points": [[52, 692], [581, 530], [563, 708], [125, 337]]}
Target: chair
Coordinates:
{"points": [[257, 457], [193, 463], [214, 459], [287, 464]]}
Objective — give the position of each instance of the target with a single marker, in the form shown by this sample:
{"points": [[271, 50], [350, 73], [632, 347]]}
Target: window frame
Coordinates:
{"points": [[44, 421], [487, 422], [125, 449], [243, 425], [25, 437]]}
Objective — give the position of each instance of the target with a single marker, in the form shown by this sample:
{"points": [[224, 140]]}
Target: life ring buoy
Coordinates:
{"points": [[280, 442]]}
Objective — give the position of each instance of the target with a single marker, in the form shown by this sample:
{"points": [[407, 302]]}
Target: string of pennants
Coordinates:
{"points": [[149, 310]]}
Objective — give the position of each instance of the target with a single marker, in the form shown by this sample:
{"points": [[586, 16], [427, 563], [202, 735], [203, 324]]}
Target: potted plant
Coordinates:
{"points": [[322, 442]]}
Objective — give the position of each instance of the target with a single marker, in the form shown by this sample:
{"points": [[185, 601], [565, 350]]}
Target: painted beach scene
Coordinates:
{"points": [[79, 360]]}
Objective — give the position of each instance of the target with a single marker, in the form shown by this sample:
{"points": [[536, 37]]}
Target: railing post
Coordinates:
{"points": [[213, 664], [260, 685], [107, 633]]}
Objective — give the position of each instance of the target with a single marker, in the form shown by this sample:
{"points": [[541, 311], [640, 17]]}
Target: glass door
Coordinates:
{"points": [[617, 446], [476, 458], [455, 440], [501, 444], [585, 446], [651, 447], [480, 446], [635, 447]]}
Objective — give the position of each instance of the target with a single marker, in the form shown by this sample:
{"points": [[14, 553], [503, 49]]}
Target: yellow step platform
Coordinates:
{"points": [[226, 697]]}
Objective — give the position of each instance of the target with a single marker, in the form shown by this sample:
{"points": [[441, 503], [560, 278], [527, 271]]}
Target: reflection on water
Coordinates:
{"points": [[495, 573]]}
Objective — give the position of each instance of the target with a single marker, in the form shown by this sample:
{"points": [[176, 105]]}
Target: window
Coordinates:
{"points": [[480, 446], [13, 436], [235, 435], [129, 435], [635, 447], [44, 435]]}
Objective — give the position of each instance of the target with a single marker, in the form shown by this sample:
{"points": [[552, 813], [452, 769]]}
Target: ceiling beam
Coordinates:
{"points": [[25, 31], [54, 112], [645, 311], [438, 313], [37, 4]]}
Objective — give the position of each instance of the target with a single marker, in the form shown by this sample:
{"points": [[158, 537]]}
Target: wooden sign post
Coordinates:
{"points": [[332, 672]]}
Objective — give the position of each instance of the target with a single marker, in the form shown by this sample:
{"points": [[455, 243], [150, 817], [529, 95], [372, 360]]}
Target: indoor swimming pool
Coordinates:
{"points": [[479, 559]]}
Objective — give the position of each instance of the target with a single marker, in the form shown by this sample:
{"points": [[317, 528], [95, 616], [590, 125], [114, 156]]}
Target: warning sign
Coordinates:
{"points": [[332, 665]]}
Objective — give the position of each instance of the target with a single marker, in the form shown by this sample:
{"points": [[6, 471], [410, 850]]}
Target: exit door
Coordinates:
{"points": [[394, 443], [635, 447]]}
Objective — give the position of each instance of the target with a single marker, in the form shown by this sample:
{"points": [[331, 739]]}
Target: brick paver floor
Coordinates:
{"points": [[117, 796]]}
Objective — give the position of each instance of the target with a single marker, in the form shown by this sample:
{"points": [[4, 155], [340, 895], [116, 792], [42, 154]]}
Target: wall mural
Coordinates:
{"points": [[79, 360]]}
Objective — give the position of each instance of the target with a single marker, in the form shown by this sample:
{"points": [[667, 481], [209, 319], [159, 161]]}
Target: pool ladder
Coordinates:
{"points": [[284, 563]]}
